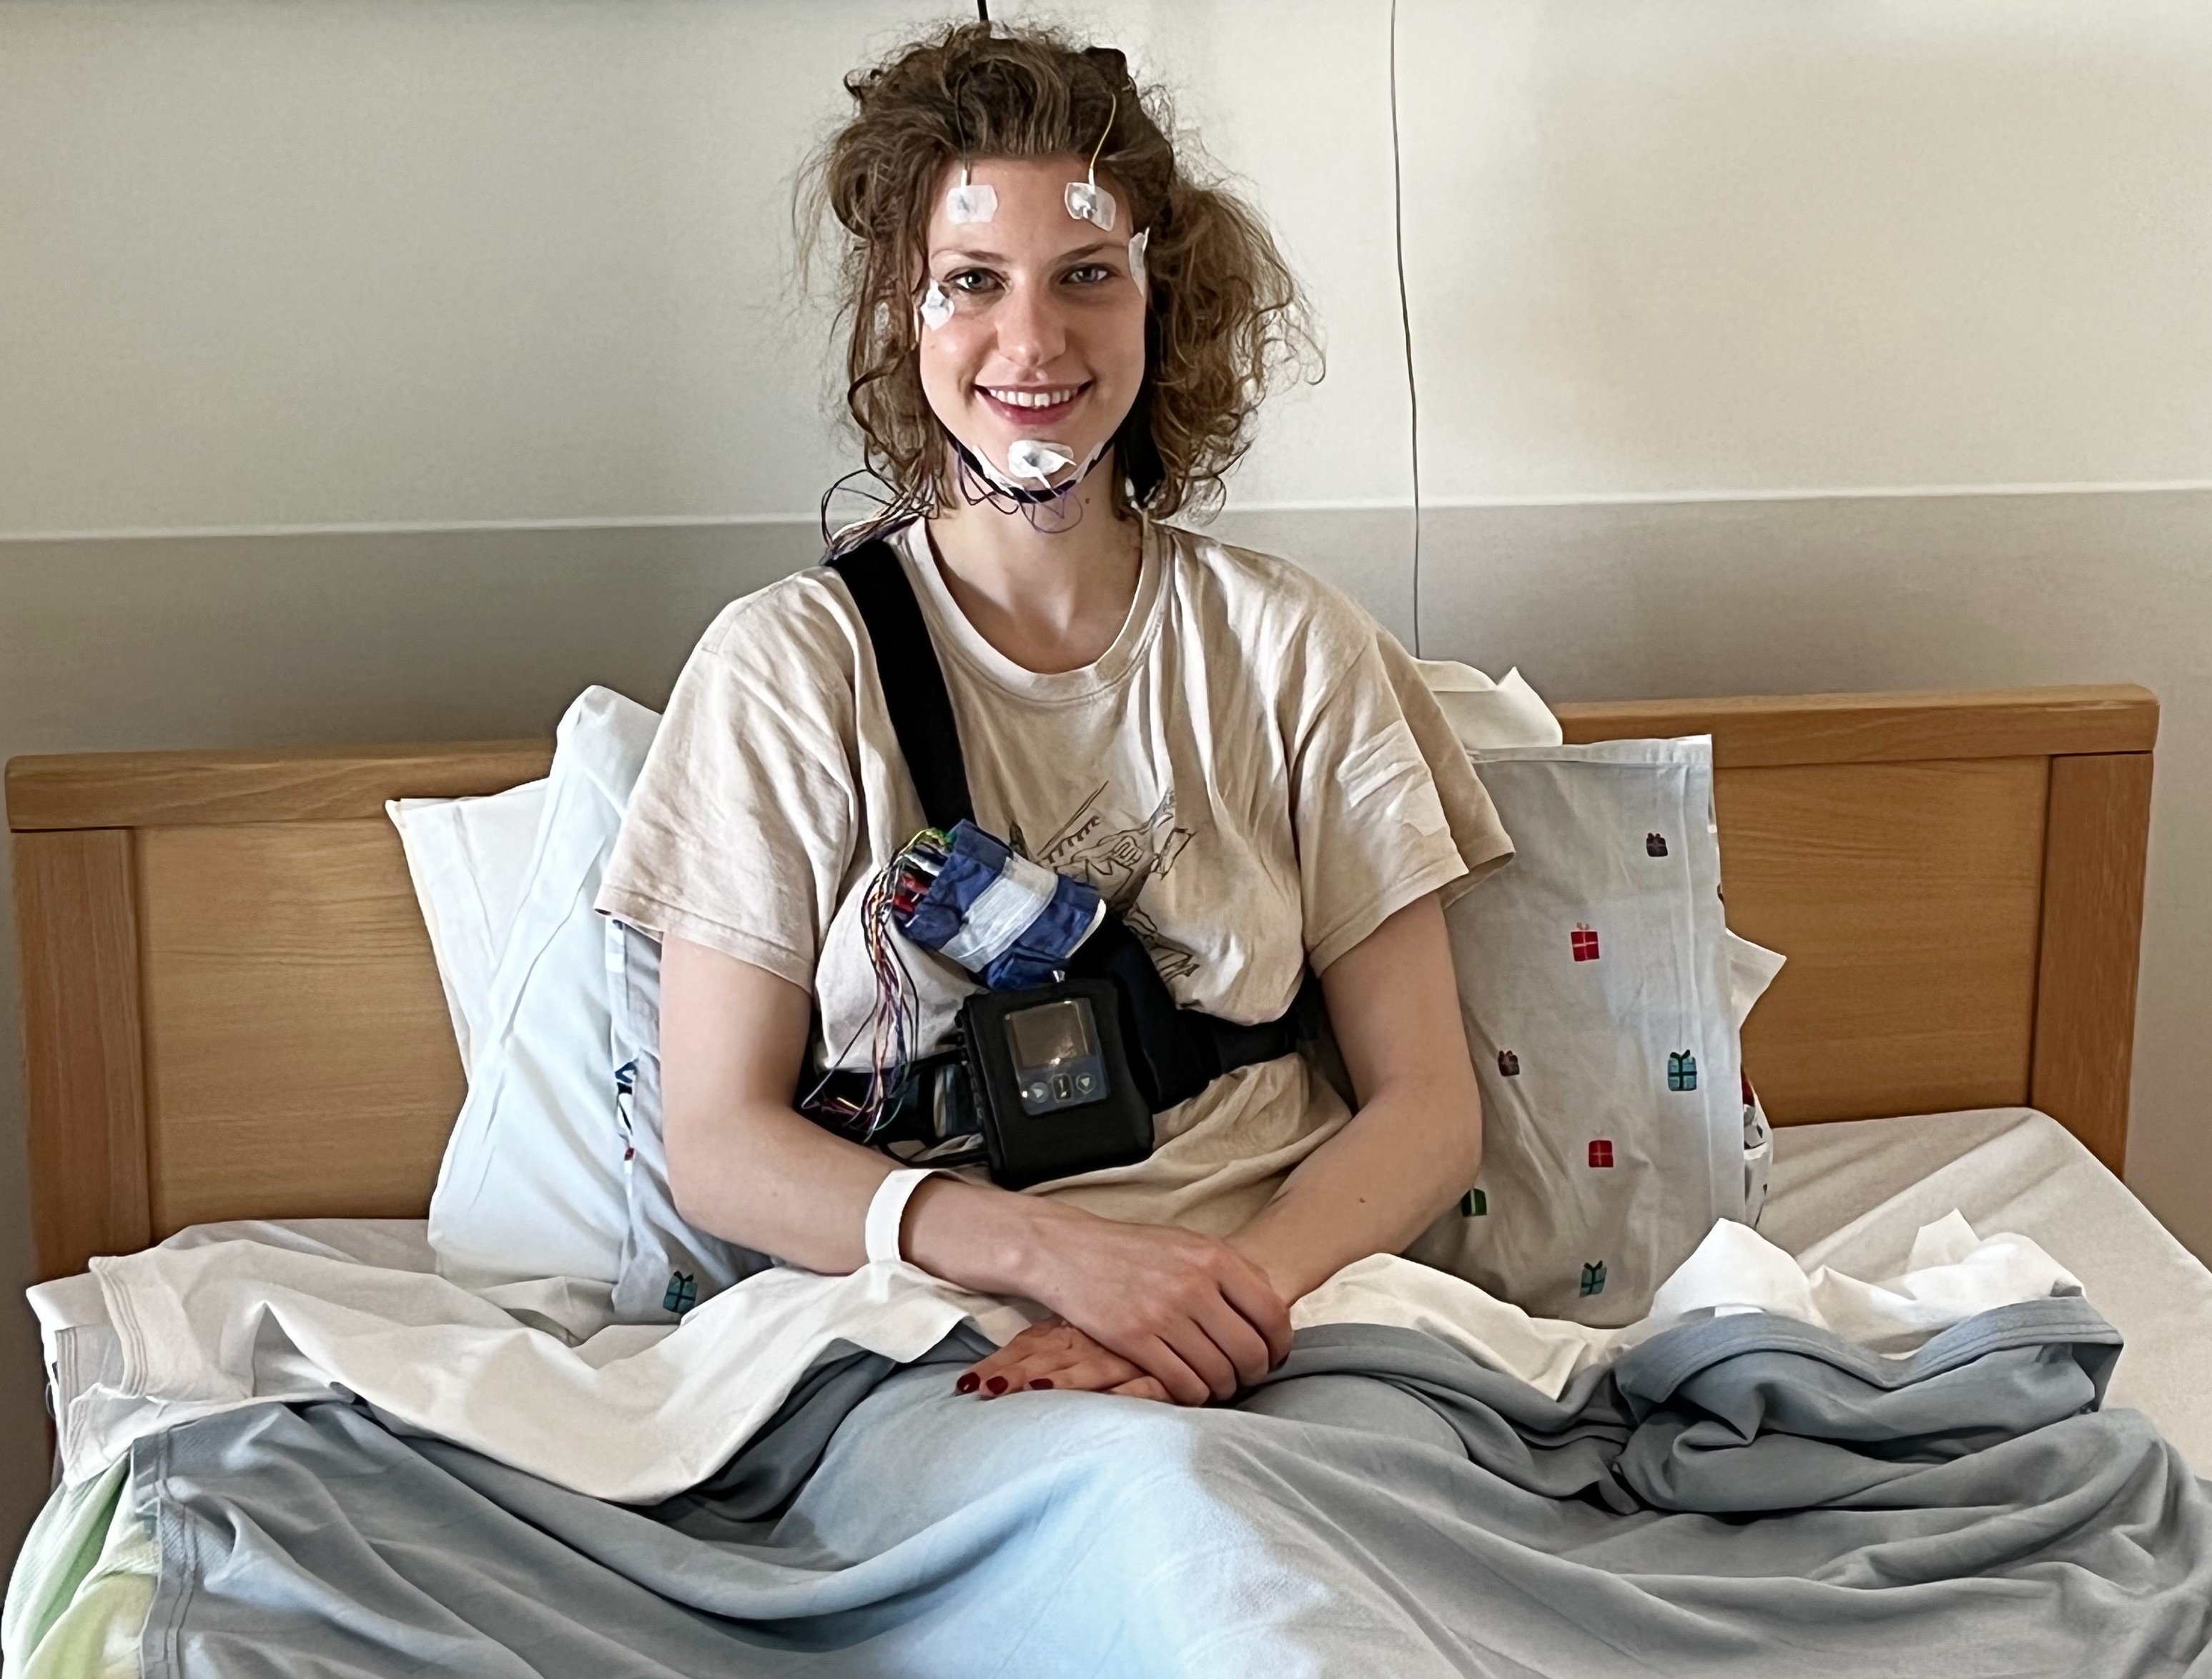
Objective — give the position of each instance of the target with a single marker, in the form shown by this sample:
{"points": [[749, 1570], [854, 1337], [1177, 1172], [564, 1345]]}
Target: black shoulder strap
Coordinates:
{"points": [[914, 681]]}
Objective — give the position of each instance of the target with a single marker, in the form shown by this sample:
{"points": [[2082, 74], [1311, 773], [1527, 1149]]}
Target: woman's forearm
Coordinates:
{"points": [[1196, 1315], [1416, 1142], [746, 1164], [1372, 1188], [768, 1178]]}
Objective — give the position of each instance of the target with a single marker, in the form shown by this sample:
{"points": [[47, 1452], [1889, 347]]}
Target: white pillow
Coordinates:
{"points": [[467, 858], [1752, 969], [1594, 985], [531, 1184], [1487, 715]]}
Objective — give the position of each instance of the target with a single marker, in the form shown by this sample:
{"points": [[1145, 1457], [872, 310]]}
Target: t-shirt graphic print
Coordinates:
{"points": [[1117, 856]]}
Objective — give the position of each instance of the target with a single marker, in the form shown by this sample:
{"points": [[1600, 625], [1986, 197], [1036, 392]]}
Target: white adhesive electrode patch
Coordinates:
{"points": [[936, 307], [1138, 242], [1033, 457], [1086, 199], [1088, 202], [969, 202]]}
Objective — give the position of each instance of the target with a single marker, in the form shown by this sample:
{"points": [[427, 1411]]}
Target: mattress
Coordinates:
{"points": [[1850, 1195]]}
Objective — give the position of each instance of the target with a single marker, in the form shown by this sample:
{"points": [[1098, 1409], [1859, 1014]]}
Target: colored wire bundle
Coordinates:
{"points": [[894, 1023], [915, 870]]}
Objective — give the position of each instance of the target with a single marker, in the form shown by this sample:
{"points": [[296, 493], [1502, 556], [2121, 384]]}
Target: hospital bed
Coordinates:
{"points": [[231, 1009]]}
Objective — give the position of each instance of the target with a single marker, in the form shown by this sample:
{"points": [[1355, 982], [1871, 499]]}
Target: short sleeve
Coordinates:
{"points": [[1385, 806], [744, 821], [1483, 844]]}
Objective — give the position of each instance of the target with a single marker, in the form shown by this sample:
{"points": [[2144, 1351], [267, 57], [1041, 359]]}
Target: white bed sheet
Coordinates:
{"points": [[1851, 1195]]}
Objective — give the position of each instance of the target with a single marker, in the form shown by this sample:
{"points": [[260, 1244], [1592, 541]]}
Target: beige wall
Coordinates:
{"points": [[368, 262], [1721, 247], [1687, 275]]}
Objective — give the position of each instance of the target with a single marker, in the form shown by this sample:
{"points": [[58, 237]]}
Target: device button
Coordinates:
{"points": [[1062, 1087]]}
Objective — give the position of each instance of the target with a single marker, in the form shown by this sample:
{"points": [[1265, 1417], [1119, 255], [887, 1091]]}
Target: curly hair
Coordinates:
{"points": [[1225, 317]]}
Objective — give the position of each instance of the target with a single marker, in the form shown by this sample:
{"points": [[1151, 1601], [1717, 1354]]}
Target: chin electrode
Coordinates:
{"points": [[1076, 1042]]}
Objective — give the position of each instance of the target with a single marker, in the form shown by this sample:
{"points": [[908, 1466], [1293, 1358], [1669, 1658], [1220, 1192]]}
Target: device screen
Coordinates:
{"points": [[1051, 1031], [1056, 1055]]}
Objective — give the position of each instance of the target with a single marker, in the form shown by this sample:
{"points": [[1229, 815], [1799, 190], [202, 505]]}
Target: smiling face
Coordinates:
{"points": [[1044, 338]]}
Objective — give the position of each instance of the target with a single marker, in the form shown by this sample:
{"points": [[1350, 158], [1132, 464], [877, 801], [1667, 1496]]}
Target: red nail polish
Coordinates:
{"points": [[1042, 1383], [967, 1384], [996, 1384]]}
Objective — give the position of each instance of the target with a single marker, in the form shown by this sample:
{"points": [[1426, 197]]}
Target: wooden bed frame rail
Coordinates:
{"points": [[230, 1008]]}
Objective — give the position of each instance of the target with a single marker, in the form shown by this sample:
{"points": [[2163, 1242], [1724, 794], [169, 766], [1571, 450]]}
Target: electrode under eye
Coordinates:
{"points": [[936, 305]]}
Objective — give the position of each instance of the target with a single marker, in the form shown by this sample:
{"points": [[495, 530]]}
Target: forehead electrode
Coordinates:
{"points": [[1086, 200], [968, 202], [1087, 203]]}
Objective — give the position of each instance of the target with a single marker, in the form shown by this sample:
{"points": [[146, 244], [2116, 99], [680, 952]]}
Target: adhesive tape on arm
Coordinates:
{"points": [[887, 1211]]}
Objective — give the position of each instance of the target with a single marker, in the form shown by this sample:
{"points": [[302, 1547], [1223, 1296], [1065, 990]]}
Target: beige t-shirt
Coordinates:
{"points": [[1252, 774]]}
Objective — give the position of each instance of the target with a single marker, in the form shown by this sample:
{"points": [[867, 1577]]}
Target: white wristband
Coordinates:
{"points": [[887, 1211]]}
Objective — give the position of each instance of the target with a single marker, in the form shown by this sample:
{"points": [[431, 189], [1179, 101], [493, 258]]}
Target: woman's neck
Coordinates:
{"points": [[1049, 600]]}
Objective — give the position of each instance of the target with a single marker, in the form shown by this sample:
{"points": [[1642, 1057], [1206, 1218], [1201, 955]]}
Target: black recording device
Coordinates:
{"points": [[1051, 1082]]}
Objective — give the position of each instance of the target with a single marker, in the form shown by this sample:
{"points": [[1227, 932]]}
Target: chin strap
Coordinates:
{"points": [[1028, 495]]}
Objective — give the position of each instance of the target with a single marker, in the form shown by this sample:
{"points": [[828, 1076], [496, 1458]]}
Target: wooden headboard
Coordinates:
{"points": [[230, 1008]]}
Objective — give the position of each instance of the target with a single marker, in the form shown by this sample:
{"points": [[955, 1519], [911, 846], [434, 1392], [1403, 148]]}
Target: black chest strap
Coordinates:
{"points": [[1179, 1051], [913, 681]]}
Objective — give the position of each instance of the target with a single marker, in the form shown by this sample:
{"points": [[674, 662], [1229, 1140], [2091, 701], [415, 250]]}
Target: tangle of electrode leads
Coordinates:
{"points": [[893, 1022], [892, 507]]}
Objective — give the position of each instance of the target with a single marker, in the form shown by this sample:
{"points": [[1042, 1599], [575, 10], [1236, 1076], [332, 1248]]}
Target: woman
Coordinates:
{"points": [[1240, 760]]}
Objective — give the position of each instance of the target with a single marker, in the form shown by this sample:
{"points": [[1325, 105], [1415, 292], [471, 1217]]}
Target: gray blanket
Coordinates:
{"points": [[1744, 1495]]}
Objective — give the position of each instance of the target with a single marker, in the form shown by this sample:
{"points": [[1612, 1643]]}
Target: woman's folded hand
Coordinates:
{"points": [[1187, 1310], [1056, 1354]]}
